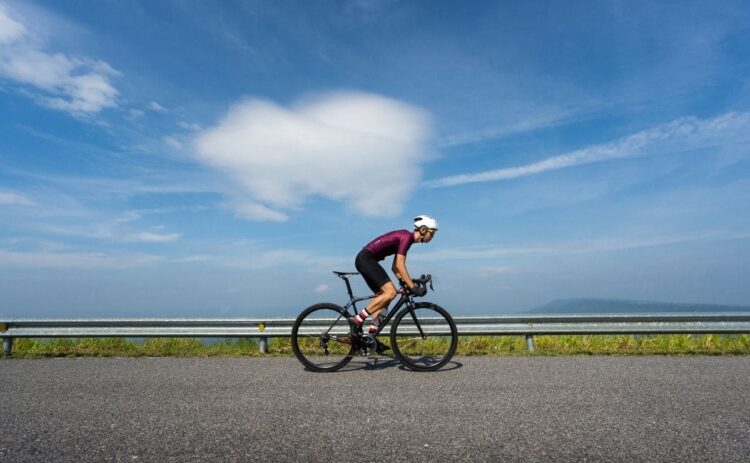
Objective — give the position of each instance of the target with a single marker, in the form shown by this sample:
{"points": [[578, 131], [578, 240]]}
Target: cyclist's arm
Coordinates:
{"points": [[399, 268]]}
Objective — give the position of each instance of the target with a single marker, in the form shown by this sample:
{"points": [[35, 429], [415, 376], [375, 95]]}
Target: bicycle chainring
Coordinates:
{"points": [[367, 345]]}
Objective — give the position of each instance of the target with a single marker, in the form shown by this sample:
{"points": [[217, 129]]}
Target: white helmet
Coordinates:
{"points": [[425, 221]]}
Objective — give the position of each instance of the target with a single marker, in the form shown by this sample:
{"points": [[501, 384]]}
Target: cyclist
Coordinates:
{"points": [[395, 243]]}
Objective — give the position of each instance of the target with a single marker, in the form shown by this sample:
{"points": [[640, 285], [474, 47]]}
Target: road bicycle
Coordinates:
{"points": [[423, 335]]}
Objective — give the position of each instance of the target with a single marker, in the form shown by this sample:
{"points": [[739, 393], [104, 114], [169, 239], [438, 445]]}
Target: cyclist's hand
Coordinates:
{"points": [[418, 290]]}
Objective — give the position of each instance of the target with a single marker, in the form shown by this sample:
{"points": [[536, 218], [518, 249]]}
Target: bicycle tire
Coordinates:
{"points": [[320, 359], [436, 321]]}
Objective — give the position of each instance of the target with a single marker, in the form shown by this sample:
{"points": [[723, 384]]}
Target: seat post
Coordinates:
{"points": [[345, 276], [349, 288]]}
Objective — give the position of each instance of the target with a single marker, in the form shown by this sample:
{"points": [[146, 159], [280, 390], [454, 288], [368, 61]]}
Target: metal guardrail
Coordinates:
{"points": [[265, 328]]}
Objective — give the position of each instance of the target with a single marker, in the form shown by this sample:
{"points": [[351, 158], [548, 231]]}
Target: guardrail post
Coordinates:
{"points": [[7, 346], [263, 344], [530, 343]]}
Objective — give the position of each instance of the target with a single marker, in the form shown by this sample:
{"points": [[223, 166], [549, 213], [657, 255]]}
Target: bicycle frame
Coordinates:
{"points": [[324, 323], [404, 300]]}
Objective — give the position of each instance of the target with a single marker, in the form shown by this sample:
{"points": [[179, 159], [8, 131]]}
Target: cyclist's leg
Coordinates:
{"points": [[386, 294], [378, 281], [376, 307]]}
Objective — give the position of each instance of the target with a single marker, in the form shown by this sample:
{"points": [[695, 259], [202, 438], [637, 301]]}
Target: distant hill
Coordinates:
{"points": [[625, 306]]}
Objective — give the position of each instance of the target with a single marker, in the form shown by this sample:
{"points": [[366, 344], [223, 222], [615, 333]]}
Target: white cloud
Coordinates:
{"points": [[74, 260], [189, 126], [104, 229], [68, 83], [247, 255], [254, 211], [322, 288], [575, 247], [497, 270], [15, 199], [10, 30], [57, 214], [534, 121], [172, 142], [194, 258], [280, 257], [129, 216], [149, 237], [682, 134], [361, 149], [154, 106]]}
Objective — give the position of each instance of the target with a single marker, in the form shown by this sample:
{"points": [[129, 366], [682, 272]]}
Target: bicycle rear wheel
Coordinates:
{"points": [[425, 337], [321, 339]]}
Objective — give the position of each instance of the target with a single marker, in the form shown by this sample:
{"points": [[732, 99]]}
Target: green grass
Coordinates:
{"points": [[468, 345], [121, 347], [675, 344]]}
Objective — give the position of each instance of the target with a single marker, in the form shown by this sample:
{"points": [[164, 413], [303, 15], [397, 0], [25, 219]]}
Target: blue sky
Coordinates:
{"points": [[190, 158]]}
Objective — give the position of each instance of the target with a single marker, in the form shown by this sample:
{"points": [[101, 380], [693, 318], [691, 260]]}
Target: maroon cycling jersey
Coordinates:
{"points": [[395, 242]]}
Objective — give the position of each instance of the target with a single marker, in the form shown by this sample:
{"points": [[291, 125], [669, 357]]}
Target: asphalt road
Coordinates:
{"points": [[479, 409]]}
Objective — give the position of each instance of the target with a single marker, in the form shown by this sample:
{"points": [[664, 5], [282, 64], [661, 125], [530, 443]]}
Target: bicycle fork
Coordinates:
{"points": [[416, 322]]}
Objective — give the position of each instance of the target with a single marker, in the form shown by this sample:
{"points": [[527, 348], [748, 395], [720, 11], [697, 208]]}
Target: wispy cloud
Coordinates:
{"points": [[104, 229], [254, 211], [78, 85], [532, 122], [573, 247], [172, 142], [122, 186], [54, 212], [497, 270], [682, 134], [251, 255], [274, 258], [74, 260], [10, 29], [191, 126], [15, 199], [348, 147], [156, 107], [194, 258], [150, 237]]}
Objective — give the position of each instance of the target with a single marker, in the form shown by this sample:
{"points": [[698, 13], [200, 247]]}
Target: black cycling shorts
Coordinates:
{"points": [[371, 270]]}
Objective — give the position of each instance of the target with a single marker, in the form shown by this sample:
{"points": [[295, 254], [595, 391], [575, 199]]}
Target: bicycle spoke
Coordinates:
{"points": [[407, 342], [320, 338], [424, 337]]}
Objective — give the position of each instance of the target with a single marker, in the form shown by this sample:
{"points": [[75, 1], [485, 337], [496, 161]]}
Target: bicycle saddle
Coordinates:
{"points": [[345, 274]]}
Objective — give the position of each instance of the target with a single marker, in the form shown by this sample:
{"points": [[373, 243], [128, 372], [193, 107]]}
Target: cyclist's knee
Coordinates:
{"points": [[389, 292]]}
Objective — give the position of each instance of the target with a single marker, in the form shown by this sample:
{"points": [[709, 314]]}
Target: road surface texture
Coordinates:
{"points": [[478, 409]]}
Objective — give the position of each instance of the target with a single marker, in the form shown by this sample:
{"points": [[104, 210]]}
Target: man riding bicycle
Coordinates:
{"points": [[367, 263]]}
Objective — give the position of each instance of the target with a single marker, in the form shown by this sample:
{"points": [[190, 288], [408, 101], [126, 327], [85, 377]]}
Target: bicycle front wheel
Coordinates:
{"points": [[321, 338], [425, 337]]}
